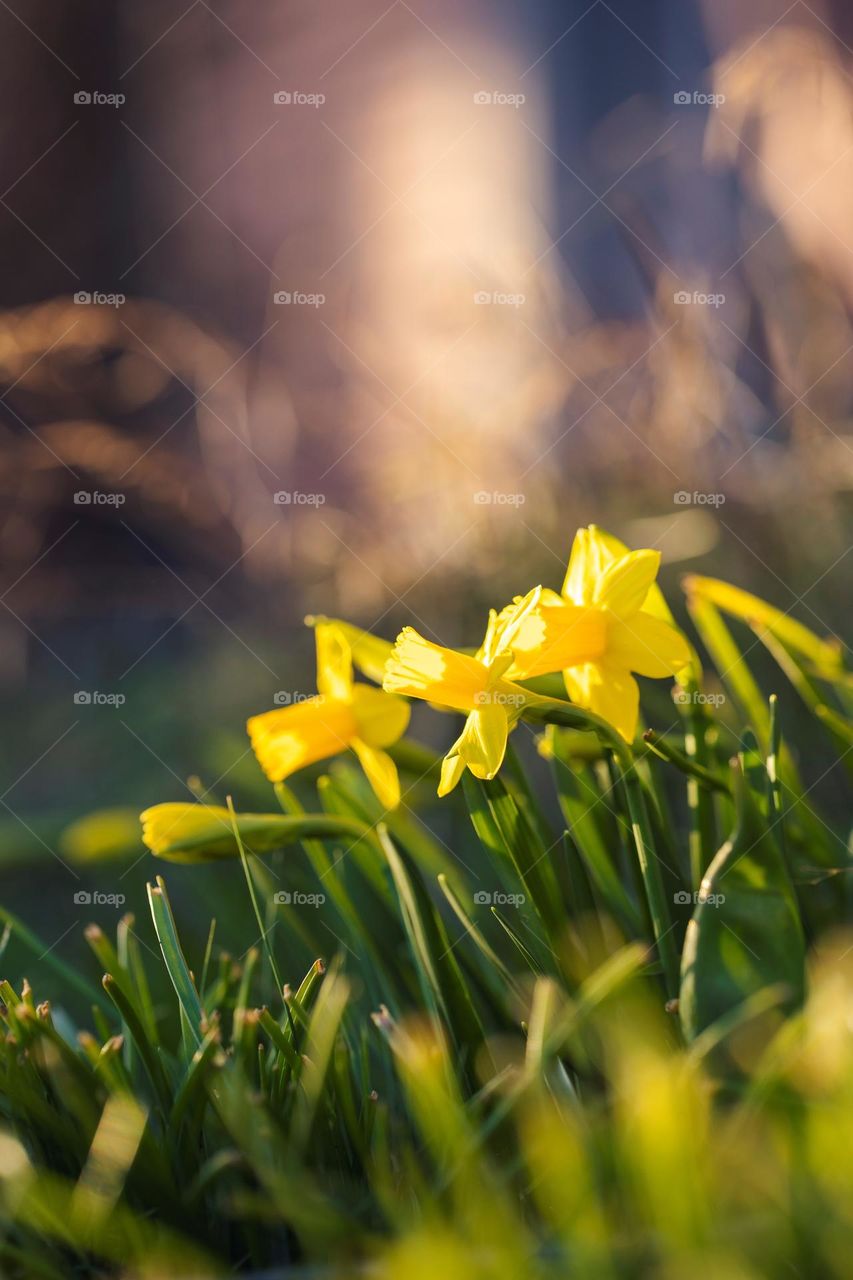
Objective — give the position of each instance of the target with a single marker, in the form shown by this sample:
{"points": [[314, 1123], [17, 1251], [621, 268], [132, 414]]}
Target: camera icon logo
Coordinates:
{"points": [[82, 97], [82, 498], [282, 898], [282, 698], [283, 98], [682, 298], [481, 498], [283, 498], [482, 898], [482, 298], [82, 298], [82, 698], [482, 98], [681, 498], [682, 897], [83, 898], [282, 298], [681, 98]]}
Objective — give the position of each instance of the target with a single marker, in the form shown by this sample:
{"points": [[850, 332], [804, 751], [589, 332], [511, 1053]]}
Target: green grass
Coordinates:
{"points": [[605, 1034]]}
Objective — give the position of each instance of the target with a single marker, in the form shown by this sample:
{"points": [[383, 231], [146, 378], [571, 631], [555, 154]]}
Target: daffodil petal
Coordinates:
{"points": [[452, 769], [645, 644], [290, 738], [608, 690], [624, 584], [381, 717], [381, 773], [592, 551], [369, 652], [482, 743], [555, 637], [420, 669], [505, 626], [334, 661]]}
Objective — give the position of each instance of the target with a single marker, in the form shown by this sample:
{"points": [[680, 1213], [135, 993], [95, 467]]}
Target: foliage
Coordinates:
{"points": [[614, 1044]]}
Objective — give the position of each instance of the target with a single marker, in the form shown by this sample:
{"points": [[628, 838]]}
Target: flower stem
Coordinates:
{"points": [[554, 711]]}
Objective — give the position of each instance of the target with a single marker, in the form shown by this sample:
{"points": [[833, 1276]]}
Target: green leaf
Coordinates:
{"points": [[499, 822], [173, 956], [826, 655], [745, 933], [442, 981], [579, 801]]}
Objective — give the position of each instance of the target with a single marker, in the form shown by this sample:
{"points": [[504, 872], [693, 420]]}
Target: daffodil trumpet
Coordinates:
{"points": [[474, 685], [610, 622], [343, 714]]}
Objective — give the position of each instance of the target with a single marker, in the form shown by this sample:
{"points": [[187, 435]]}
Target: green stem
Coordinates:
{"points": [[663, 748], [702, 839], [553, 711]]}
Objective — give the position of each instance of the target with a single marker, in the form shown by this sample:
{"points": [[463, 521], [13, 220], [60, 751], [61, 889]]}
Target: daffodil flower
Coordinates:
{"points": [[611, 620], [342, 714], [474, 685]]}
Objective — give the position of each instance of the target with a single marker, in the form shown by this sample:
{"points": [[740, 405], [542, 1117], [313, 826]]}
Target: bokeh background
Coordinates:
{"points": [[450, 279]]}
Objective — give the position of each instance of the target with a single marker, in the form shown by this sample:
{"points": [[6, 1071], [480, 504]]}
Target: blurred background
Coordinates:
{"points": [[363, 308]]}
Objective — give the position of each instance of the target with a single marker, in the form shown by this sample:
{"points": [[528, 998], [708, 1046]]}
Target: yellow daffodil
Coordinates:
{"points": [[342, 714], [474, 685], [611, 620]]}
